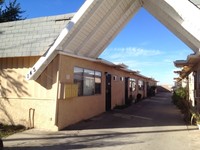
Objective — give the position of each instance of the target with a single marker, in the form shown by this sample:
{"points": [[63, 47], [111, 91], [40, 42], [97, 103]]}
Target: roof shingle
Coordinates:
{"points": [[31, 37]]}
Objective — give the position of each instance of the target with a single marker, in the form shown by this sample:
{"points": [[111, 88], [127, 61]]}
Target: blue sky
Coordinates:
{"points": [[144, 44]]}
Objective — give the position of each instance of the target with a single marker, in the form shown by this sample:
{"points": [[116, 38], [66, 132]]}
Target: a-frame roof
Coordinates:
{"points": [[196, 3], [97, 23], [104, 19]]}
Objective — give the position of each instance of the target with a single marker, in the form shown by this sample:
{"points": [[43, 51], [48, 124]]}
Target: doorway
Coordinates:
{"points": [[126, 89], [108, 92]]}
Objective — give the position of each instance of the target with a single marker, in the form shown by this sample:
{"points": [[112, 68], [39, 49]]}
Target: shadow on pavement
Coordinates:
{"points": [[121, 127], [156, 111], [85, 141]]}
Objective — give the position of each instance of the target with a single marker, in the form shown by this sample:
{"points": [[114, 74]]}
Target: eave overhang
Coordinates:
{"points": [[98, 22], [187, 65]]}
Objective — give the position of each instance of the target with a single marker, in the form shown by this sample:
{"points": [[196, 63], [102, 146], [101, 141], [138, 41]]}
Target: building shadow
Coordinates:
{"points": [[119, 127], [62, 141], [155, 111], [10, 86]]}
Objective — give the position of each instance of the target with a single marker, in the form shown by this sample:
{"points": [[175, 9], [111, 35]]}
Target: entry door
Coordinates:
{"points": [[126, 90], [108, 92]]}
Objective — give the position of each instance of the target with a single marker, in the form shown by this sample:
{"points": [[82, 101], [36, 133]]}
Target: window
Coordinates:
{"points": [[140, 85], [78, 79], [115, 78], [97, 82], [132, 84], [89, 81]]}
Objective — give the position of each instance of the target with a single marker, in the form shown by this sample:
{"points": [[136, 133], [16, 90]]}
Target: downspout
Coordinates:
{"points": [[31, 118]]}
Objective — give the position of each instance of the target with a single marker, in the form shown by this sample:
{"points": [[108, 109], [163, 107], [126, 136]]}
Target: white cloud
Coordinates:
{"points": [[153, 63], [145, 43], [131, 52], [132, 57], [141, 52]]}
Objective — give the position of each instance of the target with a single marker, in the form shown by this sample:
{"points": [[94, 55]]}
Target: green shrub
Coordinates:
{"points": [[179, 95], [6, 130], [179, 98]]}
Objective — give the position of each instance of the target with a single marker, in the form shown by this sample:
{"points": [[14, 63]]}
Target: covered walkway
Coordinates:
{"points": [[98, 22], [150, 124]]}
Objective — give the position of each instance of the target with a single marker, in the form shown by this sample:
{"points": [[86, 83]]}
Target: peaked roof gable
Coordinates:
{"points": [[97, 23], [196, 3]]}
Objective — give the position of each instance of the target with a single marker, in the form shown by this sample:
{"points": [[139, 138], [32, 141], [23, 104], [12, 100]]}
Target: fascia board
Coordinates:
{"points": [[180, 63], [42, 63]]}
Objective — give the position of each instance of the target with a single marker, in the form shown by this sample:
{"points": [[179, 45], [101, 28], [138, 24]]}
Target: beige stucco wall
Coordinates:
{"points": [[73, 110], [118, 89], [191, 88], [43, 103], [80, 108], [19, 97], [192, 83]]}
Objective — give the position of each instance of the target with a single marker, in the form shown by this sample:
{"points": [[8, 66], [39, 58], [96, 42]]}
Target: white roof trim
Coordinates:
{"points": [[169, 12], [77, 56], [182, 63], [108, 63], [41, 64]]}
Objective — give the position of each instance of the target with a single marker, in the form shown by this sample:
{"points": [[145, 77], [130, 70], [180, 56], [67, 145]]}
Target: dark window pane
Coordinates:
{"points": [[78, 79], [88, 87], [97, 85], [89, 81]]}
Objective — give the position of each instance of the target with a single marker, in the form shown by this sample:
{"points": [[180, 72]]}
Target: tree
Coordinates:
{"points": [[10, 12]]}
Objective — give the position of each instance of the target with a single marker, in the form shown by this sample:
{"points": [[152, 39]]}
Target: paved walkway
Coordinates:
{"points": [[152, 124]]}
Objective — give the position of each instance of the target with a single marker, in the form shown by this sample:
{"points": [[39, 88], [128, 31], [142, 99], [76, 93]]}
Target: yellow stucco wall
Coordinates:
{"points": [[43, 103], [73, 110], [19, 97]]}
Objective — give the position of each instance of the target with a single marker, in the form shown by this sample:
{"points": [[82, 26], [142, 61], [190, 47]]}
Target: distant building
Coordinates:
{"points": [[189, 78]]}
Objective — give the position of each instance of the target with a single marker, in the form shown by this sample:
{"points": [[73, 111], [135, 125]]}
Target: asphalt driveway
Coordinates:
{"points": [[152, 124]]}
